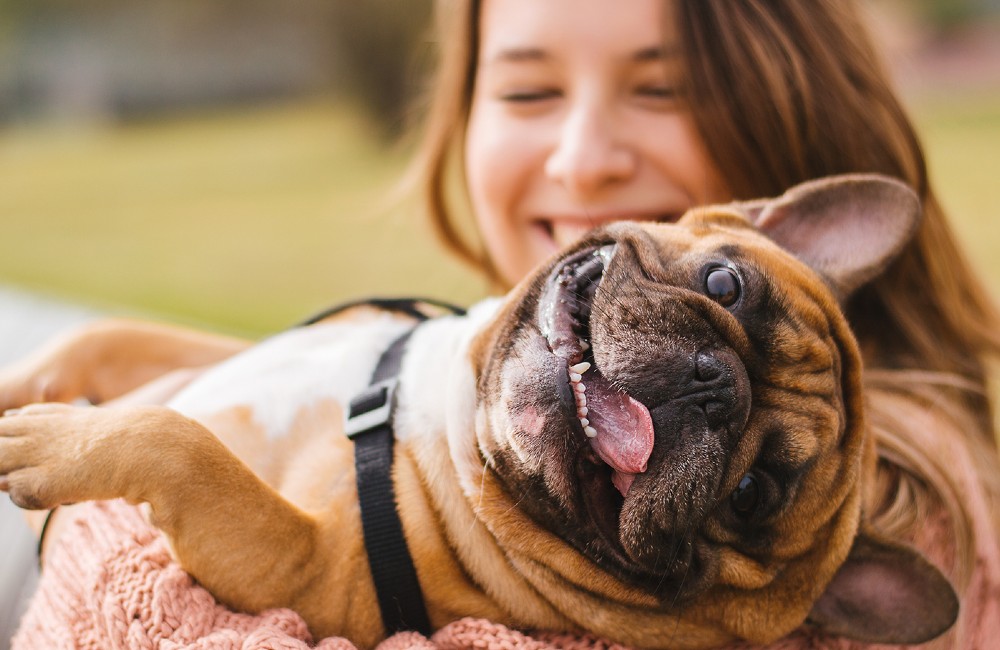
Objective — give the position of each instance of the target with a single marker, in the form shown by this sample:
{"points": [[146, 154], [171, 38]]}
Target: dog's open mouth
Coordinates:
{"points": [[619, 428]]}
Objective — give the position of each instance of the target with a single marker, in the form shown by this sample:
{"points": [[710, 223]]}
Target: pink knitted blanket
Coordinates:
{"points": [[110, 583]]}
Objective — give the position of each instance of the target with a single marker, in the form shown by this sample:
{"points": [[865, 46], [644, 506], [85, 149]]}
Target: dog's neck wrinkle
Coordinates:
{"points": [[436, 427], [432, 377]]}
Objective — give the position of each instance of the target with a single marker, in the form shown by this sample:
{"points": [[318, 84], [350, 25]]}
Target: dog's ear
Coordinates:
{"points": [[847, 228], [886, 593]]}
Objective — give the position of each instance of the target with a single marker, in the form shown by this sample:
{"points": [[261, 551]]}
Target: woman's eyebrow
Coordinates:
{"points": [[518, 54], [655, 53]]}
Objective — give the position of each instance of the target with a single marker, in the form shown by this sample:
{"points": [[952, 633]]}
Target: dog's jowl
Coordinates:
{"points": [[658, 438]]}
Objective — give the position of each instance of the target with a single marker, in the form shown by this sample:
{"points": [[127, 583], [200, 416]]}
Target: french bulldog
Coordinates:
{"points": [[658, 438]]}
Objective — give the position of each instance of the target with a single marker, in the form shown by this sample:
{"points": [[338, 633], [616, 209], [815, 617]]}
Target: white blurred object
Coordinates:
{"points": [[26, 321]]}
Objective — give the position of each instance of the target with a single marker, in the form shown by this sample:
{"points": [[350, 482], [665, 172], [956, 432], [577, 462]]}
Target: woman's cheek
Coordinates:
{"points": [[494, 168], [505, 167], [483, 146]]}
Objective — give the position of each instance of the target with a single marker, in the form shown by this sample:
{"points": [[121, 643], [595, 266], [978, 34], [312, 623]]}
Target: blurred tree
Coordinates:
{"points": [[946, 15], [379, 43], [367, 48]]}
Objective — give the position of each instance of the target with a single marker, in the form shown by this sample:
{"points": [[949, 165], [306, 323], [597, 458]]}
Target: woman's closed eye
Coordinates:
{"points": [[663, 96], [663, 91], [529, 95]]}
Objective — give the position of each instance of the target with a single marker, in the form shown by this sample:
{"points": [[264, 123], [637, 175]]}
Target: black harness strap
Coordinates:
{"points": [[408, 306], [369, 425]]}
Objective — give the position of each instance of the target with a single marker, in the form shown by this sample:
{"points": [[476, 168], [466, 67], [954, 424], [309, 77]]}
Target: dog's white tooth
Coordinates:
{"points": [[575, 377], [581, 399], [585, 422], [590, 431], [580, 368], [579, 387], [582, 412], [584, 345]]}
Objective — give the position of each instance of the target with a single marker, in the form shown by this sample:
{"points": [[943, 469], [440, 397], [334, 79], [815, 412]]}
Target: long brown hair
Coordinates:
{"points": [[784, 91], [787, 91]]}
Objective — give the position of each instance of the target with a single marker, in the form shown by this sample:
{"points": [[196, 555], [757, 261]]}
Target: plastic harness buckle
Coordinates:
{"points": [[372, 408]]}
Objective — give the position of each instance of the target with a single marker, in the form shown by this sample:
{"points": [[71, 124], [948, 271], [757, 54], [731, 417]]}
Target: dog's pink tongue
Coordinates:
{"points": [[624, 437]]}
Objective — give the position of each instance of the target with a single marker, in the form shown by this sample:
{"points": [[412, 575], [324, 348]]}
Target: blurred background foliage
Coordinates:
{"points": [[126, 60], [230, 163], [945, 15]]}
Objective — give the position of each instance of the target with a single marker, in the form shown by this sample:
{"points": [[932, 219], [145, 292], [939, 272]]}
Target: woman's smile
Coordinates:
{"points": [[564, 229]]}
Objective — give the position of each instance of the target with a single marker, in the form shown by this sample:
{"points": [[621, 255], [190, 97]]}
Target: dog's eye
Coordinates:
{"points": [[723, 286], [746, 495]]}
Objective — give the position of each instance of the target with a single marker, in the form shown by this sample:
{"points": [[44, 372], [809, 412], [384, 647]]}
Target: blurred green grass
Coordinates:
{"points": [[247, 221], [961, 136], [242, 221]]}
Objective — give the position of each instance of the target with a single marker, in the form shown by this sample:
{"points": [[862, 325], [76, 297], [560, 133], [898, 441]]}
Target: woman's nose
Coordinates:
{"points": [[589, 154]]}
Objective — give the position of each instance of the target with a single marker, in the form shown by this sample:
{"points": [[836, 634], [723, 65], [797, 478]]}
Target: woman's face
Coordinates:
{"points": [[575, 123]]}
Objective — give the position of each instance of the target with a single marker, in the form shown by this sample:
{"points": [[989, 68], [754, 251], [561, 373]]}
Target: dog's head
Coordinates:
{"points": [[681, 405]]}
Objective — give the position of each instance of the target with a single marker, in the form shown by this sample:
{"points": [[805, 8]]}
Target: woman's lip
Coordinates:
{"points": [[564, 230], [599, 219]]}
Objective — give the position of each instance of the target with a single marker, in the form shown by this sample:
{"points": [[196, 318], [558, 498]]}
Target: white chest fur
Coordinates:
{"points": [[280, 377], [291, 371]]}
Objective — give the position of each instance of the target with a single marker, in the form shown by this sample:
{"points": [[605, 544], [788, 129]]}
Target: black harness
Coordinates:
{"points": [[369, 425]]}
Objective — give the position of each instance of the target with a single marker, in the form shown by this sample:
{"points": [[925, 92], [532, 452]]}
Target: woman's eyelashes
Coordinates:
{"points": [[664, 92], [656, 95], [657, 91], [529, 96]]}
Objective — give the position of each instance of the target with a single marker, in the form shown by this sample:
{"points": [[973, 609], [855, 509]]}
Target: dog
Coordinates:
{"points": [[657, 438]]}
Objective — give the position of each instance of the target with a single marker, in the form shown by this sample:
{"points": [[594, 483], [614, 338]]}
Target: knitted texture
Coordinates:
{"points": [[110, 582]]}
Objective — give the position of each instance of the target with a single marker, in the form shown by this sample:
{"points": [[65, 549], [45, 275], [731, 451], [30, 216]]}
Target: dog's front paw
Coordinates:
{"points": [[55, 454], [27, 383]]}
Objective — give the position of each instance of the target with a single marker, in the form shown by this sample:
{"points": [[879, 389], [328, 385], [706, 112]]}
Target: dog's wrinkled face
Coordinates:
{"points": [[659, 400], [681, 404]]}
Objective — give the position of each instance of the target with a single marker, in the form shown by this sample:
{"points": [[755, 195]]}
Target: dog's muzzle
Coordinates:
{"points": [[655, 415]]}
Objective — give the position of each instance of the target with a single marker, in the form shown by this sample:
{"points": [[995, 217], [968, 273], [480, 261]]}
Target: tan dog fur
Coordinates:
{"points": [[245, 470]]}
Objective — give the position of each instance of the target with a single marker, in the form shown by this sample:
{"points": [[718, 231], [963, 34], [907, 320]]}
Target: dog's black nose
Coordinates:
{"points": [[716, 394], [704, 392]]}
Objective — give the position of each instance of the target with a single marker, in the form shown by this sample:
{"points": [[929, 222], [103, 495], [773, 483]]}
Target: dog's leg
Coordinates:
{"points": [[200, 494], [106, 359]]}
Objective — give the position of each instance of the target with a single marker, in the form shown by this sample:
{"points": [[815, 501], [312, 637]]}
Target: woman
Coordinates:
{"points": [[561, 115], [568, 124]]}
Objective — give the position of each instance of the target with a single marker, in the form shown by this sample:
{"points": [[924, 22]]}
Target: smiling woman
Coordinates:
{"points": [[575, 121]]}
